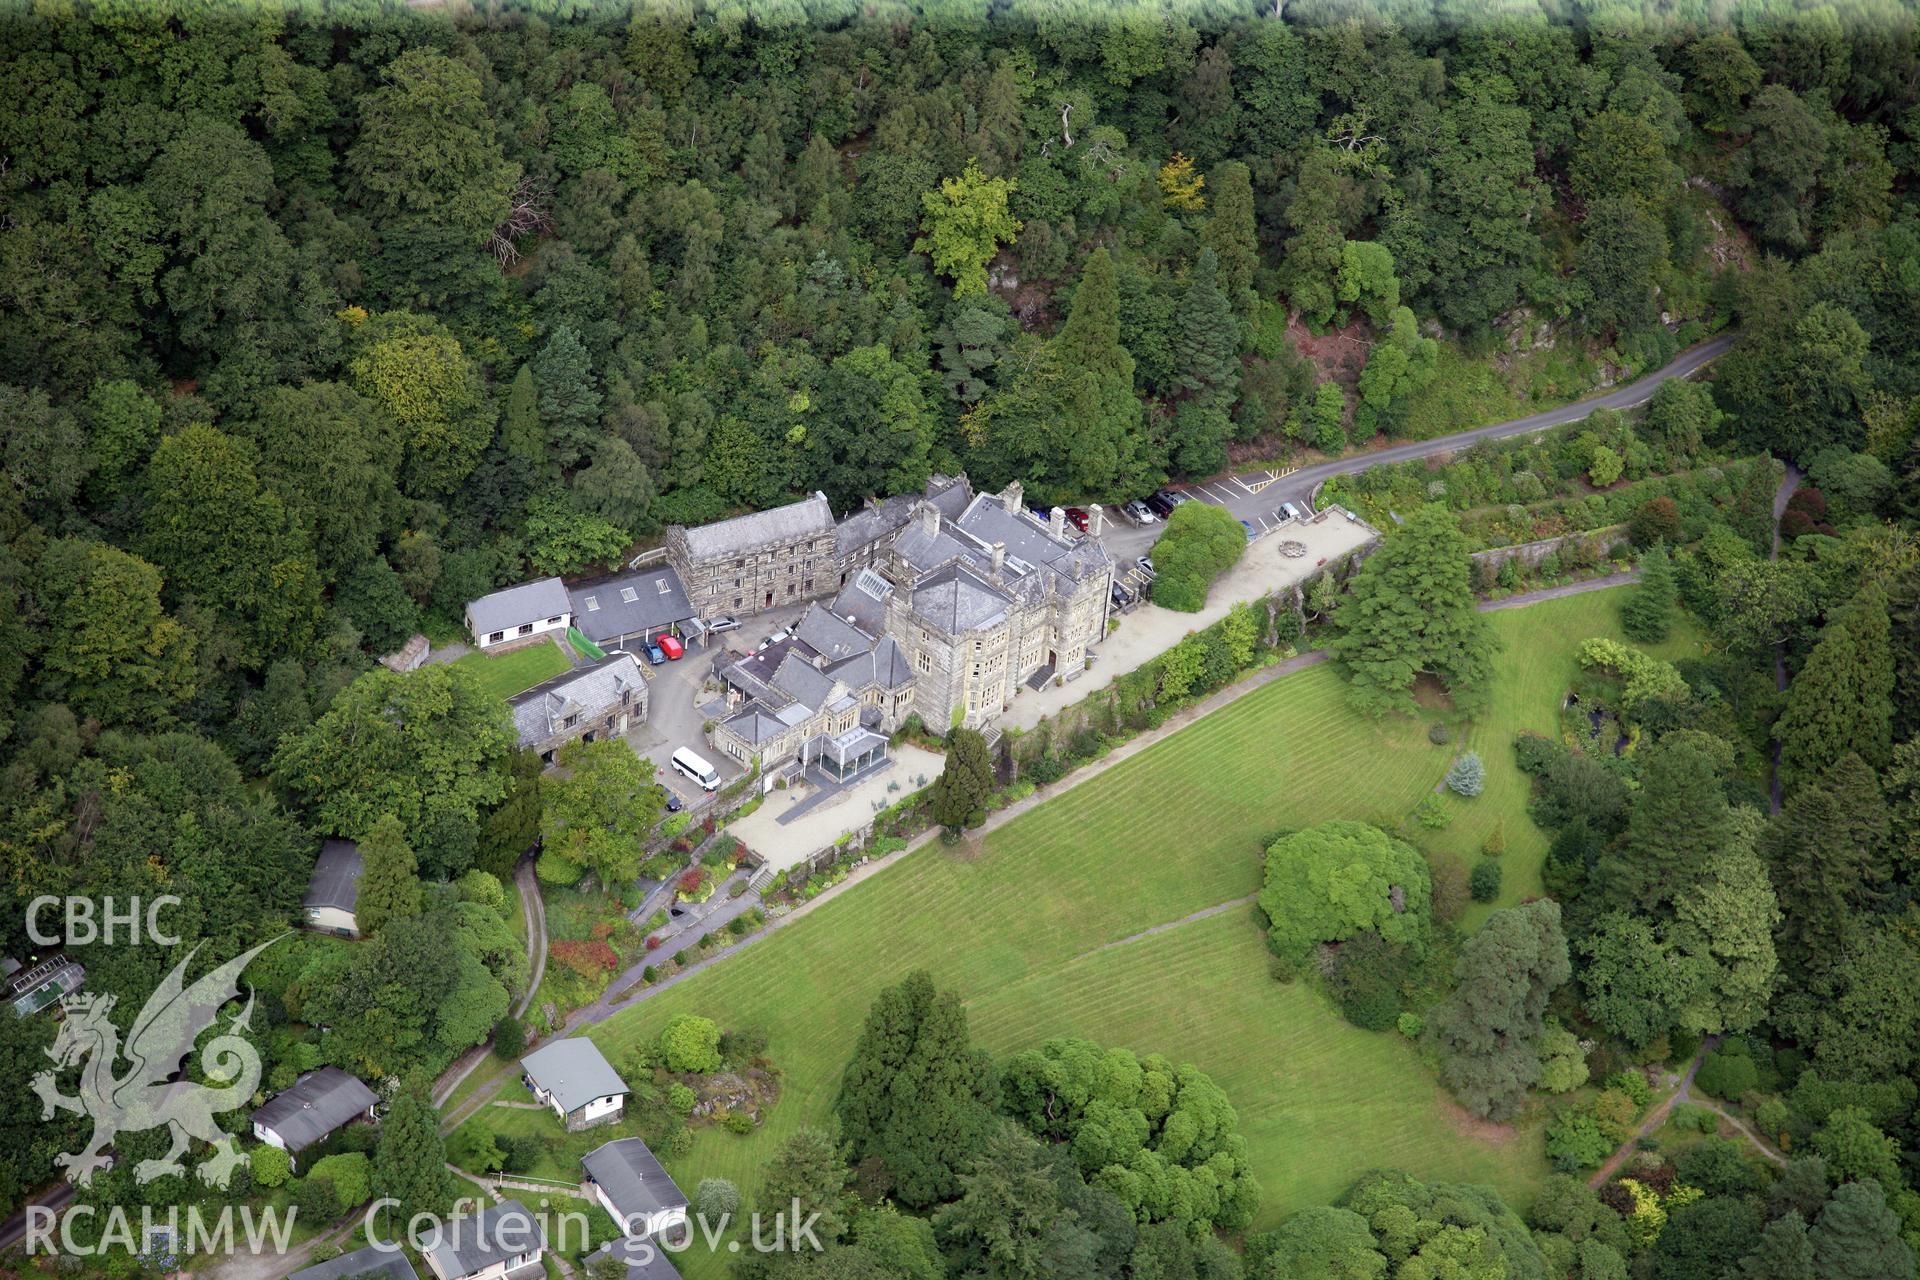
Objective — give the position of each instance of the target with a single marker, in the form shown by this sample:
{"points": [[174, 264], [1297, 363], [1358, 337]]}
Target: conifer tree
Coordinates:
{"points": [[1842, 700], [1857, 1237], [522, 435], [1784, 1252], [410, 1162], [389, 877], [1679, 820], [1103, 414], [918, 1097], [1488, 1031], [964, 782], [1647, 613], [1824, 849], [1206, 339], [1232, 234], [1411, 611]]}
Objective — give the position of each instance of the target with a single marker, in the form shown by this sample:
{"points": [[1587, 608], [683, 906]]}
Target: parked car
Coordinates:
{"points": [[1161, 503], [674, 803], [776, 638], [655, 654], [1249, 528], [725, 622], [1077, 518], [1138, 512], [1288, 511], [671, 646], [1146, 567], [1121, 596]]}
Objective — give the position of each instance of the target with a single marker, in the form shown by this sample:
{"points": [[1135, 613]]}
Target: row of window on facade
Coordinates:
{"points": [[524, 629]]}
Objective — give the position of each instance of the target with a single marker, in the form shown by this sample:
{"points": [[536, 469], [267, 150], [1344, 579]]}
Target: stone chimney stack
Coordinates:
{"points": [[1010, 497], [1057, 522], [999, 557], [1097, 523], [929, 519]]}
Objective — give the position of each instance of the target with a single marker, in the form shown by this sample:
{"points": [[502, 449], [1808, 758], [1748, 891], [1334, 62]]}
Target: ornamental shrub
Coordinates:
{"points": [[1484, 882], [1468, 776], [690, 1043]]}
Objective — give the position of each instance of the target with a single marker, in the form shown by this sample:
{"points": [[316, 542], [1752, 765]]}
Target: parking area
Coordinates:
{"points": [[674, 715]]}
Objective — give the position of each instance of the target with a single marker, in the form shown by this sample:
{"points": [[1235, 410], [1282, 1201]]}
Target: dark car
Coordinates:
{"points": [[655, 654], [674, 803], [1161, 503], [1077, 518]]}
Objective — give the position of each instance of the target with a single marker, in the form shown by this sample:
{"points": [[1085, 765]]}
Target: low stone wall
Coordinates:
{"points": [[1531, 554]]}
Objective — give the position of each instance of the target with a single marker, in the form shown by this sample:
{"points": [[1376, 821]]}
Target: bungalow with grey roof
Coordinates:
{"points": [[388, 1264], [501, 1242], [519, 613], [628, 1180], [317, 1103], [574, 1078], [588, 703], [333, 890]]}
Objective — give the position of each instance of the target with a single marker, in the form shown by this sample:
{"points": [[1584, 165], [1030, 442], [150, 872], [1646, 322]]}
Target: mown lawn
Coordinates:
{"points": [[506, 674], [1031, 926]]}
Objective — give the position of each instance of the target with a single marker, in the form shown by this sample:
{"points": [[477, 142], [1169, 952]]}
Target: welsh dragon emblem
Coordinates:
{"points": [[145, 1097]]}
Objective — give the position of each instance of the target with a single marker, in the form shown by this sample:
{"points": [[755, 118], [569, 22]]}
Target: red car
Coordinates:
{"points": [[1077, 518], [671, 647]]}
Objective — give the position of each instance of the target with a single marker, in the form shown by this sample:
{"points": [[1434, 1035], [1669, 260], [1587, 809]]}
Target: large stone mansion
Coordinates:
{"points": [[946, 604], [941, 604]]}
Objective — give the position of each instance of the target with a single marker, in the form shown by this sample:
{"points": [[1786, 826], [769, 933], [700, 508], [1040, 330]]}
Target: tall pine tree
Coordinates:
{"points": [[1647, 613], [918, 1097], [1679, 821], [1857, 1237], [1233, 236], [1206, 338], [1487, 1032], [410, 1162], [1100, 429], [1842, 700], [1825, 850]]}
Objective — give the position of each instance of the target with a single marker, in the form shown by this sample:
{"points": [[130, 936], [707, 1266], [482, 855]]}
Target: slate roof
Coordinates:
{"points": [[335, 881], [808, 518], [603, 611], [797, 678], [834, 639], [478, 1241], [870, 524], [863, 601], [885, 667], [753, 725], [633, 1179], [381, 1262], [1029, 540], [645, 1259], [956, 599], [528, 602], [574, 1071], [318, 1103], [541, 711]]}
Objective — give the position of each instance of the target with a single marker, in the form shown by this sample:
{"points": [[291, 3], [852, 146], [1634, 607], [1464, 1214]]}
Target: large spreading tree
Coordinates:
{"points": [[1410, 612], [596, 812]]}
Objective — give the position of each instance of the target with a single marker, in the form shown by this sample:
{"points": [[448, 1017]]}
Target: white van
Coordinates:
{"points": [[697, 769]]}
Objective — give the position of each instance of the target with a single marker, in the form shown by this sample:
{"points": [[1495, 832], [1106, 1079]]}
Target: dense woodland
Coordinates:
{"points": [[317, 323]]}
